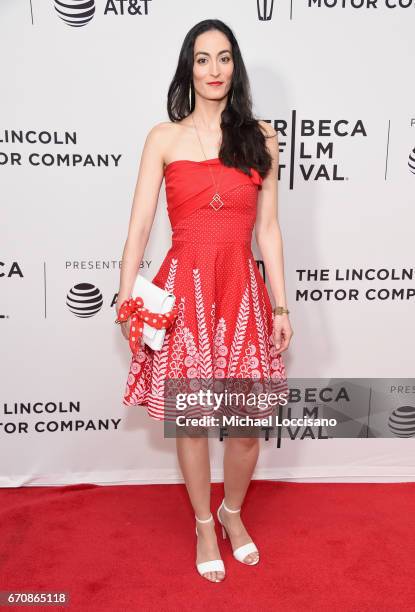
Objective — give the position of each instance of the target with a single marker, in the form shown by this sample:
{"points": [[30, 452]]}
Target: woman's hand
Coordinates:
{"points": [[282, 332], [125, 328]]}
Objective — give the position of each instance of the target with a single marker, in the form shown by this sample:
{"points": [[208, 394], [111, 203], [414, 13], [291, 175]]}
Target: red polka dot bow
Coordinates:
{"points": [[134, 308]]}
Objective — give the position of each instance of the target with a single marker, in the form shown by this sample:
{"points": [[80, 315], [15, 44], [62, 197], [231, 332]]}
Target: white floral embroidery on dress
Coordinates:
{"points": [[188, 354], [220, 349], [239, 335], [178, 343], [205, 355], [160, 358]]}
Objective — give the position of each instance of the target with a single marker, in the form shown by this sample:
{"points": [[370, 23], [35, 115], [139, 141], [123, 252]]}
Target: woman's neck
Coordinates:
{"points": [[208, 117]]}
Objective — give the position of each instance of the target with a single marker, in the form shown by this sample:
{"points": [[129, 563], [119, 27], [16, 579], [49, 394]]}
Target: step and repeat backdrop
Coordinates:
{"points": [[83, 82]]}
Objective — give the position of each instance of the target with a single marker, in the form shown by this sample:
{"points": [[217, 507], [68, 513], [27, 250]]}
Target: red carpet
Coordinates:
{"points": [[333, 547]]}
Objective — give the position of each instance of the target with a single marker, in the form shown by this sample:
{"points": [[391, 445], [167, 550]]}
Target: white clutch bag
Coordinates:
{"points": [[156, 300]]}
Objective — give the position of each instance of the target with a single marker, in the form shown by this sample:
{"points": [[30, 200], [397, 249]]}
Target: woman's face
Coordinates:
{"points": [[212, 65]]}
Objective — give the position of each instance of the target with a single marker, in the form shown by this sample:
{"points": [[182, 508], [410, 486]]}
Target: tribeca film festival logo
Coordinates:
{"points": [[315, 142]]}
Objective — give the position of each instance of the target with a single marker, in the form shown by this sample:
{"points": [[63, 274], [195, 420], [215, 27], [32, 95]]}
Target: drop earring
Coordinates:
{"points": [[190, 97]]}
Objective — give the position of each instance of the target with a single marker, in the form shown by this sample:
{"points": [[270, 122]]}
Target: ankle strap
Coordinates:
{"points": [[228, 509], [204, 520]]}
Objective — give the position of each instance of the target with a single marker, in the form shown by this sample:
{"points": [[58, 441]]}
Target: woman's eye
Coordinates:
{"points": [[203, 59]]}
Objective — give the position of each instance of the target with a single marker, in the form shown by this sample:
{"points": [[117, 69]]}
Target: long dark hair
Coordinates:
{"points": [[243, 142]]}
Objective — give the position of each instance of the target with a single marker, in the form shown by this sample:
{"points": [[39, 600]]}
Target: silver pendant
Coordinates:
{"points": [[216, 199]]}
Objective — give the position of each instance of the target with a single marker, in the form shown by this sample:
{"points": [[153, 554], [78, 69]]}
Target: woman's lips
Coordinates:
{"points": [[215, 83]]}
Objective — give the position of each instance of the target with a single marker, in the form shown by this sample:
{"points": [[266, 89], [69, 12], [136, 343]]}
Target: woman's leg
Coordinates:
{"points": [[193, 456], [240, 458]]}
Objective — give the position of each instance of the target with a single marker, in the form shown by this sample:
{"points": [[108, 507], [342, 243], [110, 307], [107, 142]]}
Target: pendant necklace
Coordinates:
{"points": [[216, 201]]}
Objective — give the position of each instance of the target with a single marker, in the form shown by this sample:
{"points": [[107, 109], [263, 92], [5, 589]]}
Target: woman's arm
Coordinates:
{"points": [[143, 210], [267, 228], [269, 239]]}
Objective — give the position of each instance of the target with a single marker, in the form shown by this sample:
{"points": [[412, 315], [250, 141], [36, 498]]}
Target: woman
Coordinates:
{"points": [[220, 167]]}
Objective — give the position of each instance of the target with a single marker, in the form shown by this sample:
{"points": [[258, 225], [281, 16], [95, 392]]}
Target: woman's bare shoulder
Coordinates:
{"points": [[162, 134], [158, 139], [164, 128], [161, 129]]}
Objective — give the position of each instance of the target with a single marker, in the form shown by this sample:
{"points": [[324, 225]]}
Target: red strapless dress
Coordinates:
{"points": [[224, 323]]}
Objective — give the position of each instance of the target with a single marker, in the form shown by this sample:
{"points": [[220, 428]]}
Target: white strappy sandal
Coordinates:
{"points": [[242, 551], [216, 565]]}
